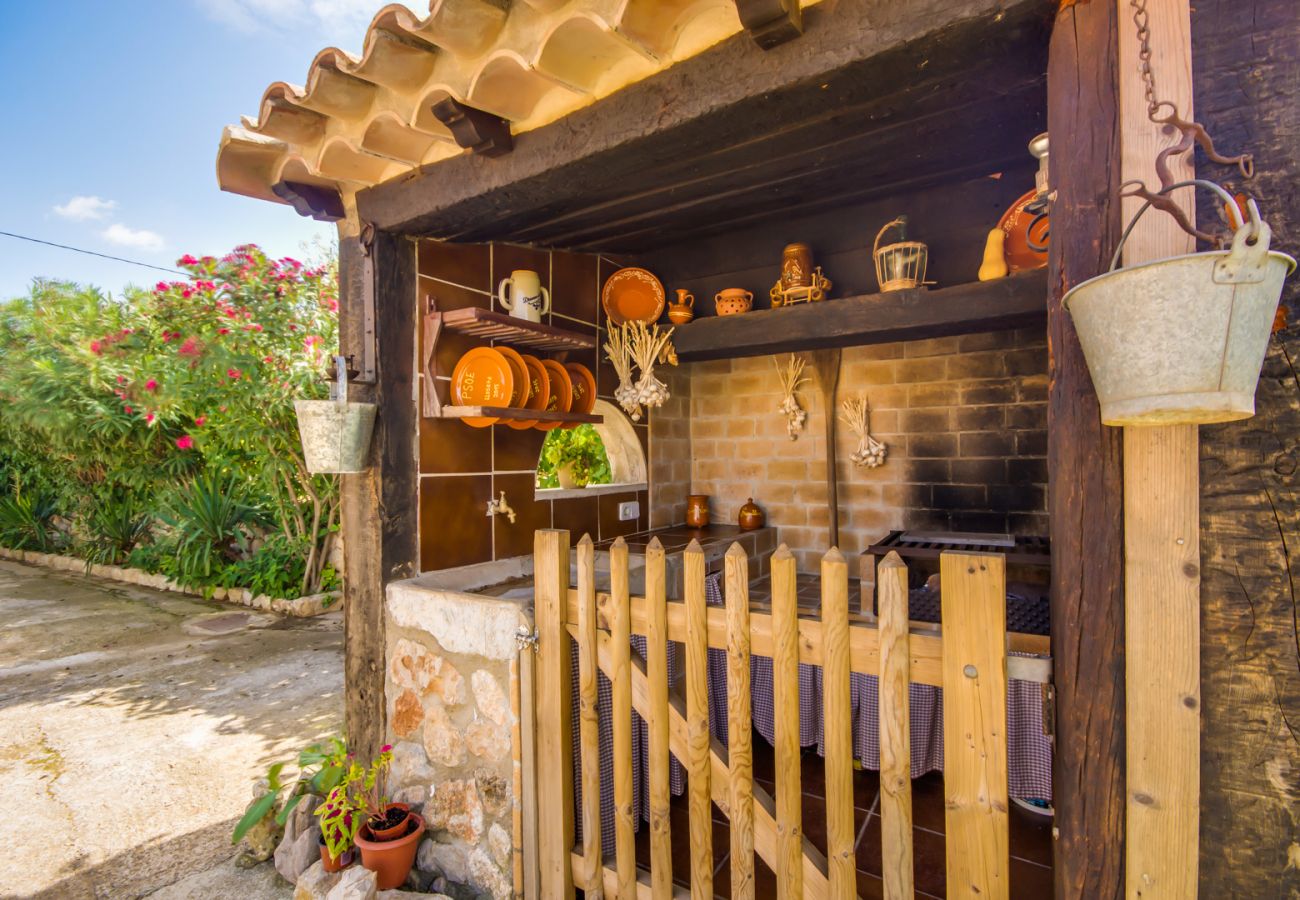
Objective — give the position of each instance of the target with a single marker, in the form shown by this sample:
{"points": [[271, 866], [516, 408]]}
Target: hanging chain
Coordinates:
{"points": [[1142, 19]]}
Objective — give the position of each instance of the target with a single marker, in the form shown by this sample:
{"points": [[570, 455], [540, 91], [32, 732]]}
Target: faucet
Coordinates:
{"points": [[500, 508]]}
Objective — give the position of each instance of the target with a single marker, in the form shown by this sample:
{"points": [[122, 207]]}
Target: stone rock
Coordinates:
{"points": [[486, 874], [299, 847], [449, 860], [410, 765], [456, 809], [489, 697], [488, 740], [413, 795], [501, 845], [416, 668], [442, 739], [407, 713], [315, 883], [408, 895], [493, 791], [261, 840], [355, 883]]}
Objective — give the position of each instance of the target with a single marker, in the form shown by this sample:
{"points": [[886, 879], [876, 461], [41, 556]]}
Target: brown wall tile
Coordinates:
{"points": [[449, 445], [516, 538], [516, 450], [580, 515], [463, 264], [507, 258], [574, 291], [455, 529]]}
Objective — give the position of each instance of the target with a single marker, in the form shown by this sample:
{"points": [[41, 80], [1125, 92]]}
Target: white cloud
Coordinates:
{"points": [[140, 239], [82, 208], [337, 21]]}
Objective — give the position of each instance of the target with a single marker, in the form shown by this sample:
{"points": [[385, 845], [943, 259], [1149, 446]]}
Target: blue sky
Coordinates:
{"points": [[113, 112]]}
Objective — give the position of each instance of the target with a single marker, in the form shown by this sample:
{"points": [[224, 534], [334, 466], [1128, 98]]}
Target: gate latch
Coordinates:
{"points": [[526, 638]]}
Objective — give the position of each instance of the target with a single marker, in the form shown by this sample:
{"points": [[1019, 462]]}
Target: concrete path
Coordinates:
{"points": [[132, 724]]}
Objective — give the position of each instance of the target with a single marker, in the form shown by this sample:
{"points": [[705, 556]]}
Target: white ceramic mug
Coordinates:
{"points": [[526, 299]]}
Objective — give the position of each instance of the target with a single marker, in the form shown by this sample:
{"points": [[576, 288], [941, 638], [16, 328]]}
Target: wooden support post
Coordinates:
{"points": [[1161, 528], [740, 738], [837, 713], [620, 619], [1085, 488], [380, 543], [656, 643], [589, 715], [554, 738]]}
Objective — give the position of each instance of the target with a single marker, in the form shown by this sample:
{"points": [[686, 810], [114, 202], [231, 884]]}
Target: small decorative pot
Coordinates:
{"points": [[796, 266], [751, 517], [330, 864], [683, 310], [697, 510], [733, 301]]}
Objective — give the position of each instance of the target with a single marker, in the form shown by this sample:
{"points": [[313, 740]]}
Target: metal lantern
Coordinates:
{"points": [[902, 265]]}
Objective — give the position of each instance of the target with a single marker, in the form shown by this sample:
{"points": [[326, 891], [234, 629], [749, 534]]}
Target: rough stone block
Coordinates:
{"points": [[457, 810], [315, 883], [355, 883], [490, 697], [442, 739]]}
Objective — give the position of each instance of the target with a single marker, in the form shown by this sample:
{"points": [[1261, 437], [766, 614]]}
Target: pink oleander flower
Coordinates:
{"points": [[223, 331], [149, 418], [121, 379], [161, 287], [184, 442], [97, 347], [151, 385], [129, 411], [199, 422], [187, 260], [233, 374], [190, 348]]}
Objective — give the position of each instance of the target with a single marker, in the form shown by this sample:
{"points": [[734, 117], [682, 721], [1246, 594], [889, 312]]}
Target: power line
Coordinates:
{"points": [[129, 262]]}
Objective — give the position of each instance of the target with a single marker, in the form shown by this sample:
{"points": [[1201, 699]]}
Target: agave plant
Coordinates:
{"points": [[116, 525], [26, 521], [211, 520]]}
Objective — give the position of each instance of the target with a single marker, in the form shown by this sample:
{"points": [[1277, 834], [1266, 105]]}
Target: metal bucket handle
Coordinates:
{"points": [[340, 387], [1248, 238]]}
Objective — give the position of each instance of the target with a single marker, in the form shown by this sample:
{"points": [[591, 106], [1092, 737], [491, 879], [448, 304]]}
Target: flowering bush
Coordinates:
{"points": [[137, 397]]}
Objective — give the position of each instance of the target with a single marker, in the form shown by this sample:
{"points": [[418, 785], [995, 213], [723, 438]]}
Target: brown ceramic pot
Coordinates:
{"points": [[396, 831], [331, 864], [796, 266], [733, 301], [391, 861], [697, 510], [751, 517]]}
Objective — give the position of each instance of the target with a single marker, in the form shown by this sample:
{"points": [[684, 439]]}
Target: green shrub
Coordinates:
{"points": [[27, 522], [582, 449], [115, 525], [211, 523]]}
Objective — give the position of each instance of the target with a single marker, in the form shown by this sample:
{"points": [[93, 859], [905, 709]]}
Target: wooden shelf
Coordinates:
{"points": [[1016, 302], [502, 412], [487, 325]]}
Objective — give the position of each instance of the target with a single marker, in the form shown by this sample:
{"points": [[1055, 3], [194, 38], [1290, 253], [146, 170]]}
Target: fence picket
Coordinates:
{"points": [[699, 766], [838, 716], [621, 711], [554, 754], [661, 841], [740, 750], [973, 601], [589, 722], [785, 707], [895, 725]]}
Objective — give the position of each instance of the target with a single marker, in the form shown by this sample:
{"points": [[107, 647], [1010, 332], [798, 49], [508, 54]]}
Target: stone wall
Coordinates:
{"points": [[964, 419], [452, 688]]}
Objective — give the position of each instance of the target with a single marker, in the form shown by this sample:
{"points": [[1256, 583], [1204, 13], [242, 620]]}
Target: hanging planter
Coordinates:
{"points": [[335, 433], [1181, 341]]}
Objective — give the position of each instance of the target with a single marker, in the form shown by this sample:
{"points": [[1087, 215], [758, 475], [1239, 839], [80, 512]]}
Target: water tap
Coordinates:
{"points": [[500, 508]]}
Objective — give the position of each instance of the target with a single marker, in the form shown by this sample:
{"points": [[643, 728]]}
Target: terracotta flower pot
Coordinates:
{"points": [[395, 831], [391, 860], [331, 864]]}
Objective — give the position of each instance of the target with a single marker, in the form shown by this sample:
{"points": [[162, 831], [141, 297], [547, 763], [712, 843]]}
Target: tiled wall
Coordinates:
{"points": [[964, 418], [461, 467]]}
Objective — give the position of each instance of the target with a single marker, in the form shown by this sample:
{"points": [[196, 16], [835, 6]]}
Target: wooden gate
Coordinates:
{"points": [[969, 661]]}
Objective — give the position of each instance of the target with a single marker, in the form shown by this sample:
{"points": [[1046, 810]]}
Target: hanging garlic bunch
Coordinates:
{"points": [[648, 345], [792, 377], [618, 349], [856, 414]]}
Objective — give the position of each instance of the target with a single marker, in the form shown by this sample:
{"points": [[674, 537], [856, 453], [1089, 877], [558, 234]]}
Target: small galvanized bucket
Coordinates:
{"points": [[1181, 341], [335, 433]]}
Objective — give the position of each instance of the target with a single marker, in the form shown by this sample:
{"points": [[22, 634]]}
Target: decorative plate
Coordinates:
{"points": [[539, 391], [632, 295], [561, 398], [519, 393], [482, 377], [584, 387], [1017, 225]]}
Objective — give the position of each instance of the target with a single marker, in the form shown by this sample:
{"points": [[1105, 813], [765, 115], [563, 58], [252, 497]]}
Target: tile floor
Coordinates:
{"points": [[1031, 840]]}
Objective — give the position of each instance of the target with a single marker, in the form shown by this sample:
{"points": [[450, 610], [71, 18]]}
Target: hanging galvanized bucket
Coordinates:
{"points": [[1181, 341], [335, 433]]}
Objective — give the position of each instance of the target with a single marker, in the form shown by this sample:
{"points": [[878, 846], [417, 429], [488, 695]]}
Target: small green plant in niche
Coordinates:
{"points": [[573, 457]]}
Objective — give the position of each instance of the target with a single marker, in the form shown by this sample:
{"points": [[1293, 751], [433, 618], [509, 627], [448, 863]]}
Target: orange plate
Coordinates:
{"points": [[482, 377], [561, 397], [539, 391], [584, 387], [519, 394], [632, 295]]}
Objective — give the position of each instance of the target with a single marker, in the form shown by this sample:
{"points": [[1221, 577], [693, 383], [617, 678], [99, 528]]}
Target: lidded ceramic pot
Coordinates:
{"points": [[796, 266], [697, 510], [751, 516]]}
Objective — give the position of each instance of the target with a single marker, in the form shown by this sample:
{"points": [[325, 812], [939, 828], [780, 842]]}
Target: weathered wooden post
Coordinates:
{"points": [[554, 741]]}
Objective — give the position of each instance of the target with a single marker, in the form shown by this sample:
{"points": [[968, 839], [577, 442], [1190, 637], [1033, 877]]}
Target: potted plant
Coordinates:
{"points": [[338, 833], [358, 812], [321, 767]]}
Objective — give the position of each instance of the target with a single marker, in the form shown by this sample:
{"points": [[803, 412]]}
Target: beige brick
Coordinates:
{"points": [[740, 428], [787, 470]]}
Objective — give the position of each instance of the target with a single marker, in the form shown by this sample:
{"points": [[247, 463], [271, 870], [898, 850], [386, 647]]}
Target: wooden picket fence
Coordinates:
{"points": [[968, 659]]}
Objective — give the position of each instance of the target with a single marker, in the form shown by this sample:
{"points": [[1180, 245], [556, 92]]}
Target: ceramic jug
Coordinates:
{"points": [[683, 310], [526, 298]]}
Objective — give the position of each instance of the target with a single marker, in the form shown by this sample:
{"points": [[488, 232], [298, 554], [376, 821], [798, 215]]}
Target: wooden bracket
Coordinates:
{"points": [[771, 22], [314, 201], [474, 129], [431, 407]]}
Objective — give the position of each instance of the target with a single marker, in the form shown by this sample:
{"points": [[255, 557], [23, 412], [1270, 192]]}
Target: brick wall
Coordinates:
{"points": [[964, 418]]}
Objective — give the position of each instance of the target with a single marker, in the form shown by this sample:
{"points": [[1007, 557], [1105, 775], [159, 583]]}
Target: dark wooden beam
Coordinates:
{"points": [[476, 130], [874, 319], [771, 22], [379, 506], [1246, 75], [311, 200], [664, 144], [1084, 467]]}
